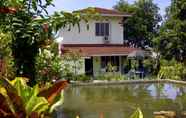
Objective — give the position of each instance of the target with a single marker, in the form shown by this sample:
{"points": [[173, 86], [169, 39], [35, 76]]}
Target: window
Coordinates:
{"points": [[103, 62], [102, 29], [113, 60]]}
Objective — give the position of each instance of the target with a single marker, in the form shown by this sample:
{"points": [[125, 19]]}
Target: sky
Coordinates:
{"points": [[71, 5]]}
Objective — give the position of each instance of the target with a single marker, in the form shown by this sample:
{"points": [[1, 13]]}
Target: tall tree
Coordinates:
{"points": [[171, 42], [124, 6], [143, 25]]}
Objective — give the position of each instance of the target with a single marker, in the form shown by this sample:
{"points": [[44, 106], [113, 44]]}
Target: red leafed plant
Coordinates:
{"points": [[53, 91], [7, 10], [19, 100]]}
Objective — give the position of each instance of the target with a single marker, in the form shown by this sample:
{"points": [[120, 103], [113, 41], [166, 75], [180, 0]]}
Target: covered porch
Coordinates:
{"points": [[99, 58], [97, 65]]}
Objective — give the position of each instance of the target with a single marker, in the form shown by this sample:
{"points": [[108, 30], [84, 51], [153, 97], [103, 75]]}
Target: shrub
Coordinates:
{"points": [[81, 77], [7, 69], [111, 76], [49, 66], [72, 64], [52, 66], [149, 65], [172, 70]]}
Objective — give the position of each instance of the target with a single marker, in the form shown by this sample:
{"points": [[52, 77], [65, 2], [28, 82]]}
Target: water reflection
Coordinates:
{"points": [[121, 100]]}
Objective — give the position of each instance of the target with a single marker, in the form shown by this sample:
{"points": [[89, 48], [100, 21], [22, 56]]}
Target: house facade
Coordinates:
{"points": [[101, 45]]}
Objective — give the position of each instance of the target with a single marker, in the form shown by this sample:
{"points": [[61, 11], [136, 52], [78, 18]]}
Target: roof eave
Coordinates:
{"points": [[116, 15], [109, 54]]}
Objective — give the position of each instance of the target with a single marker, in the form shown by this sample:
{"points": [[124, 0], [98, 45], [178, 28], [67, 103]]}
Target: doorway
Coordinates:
{"points": [[89, 66]]}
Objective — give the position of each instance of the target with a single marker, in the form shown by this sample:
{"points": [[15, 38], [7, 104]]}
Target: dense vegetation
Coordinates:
{"points": [[22, 101], [167, 38], [143, 26], [172, 36], [31, 29], [27, 49], [26, 28]]}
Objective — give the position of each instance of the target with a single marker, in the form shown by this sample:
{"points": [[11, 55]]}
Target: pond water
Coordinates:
{"points": [[119, 101]]}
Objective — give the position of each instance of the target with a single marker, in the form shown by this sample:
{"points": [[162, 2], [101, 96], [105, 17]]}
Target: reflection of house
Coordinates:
{"points": [[101, 44]]}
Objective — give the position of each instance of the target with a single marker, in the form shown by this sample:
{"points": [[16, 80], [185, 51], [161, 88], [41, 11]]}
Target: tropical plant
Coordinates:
{"points": [[137, 114], [172, 70], [32, 102], [21, 101]]}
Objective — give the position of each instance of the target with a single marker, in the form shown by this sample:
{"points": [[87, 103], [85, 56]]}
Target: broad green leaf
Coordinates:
{"points": [[32, 102], [36, 104], [19, 84]]}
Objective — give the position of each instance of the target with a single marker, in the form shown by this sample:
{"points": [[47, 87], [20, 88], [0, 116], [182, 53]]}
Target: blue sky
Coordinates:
{"points": [[70, 5]]}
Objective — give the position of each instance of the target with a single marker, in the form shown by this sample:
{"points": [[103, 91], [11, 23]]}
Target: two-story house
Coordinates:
{"points": [[101, 44]]}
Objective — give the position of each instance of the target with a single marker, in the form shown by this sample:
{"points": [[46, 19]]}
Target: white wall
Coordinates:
{"points": [[88, 36]]}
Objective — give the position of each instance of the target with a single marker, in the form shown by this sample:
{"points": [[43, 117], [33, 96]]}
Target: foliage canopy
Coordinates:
{"points": [[143, 25], [171, 41], [32, 28]]}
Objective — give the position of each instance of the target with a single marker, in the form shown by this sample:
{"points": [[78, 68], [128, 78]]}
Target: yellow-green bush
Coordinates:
{"points": [[172, 70], [111, 76]]}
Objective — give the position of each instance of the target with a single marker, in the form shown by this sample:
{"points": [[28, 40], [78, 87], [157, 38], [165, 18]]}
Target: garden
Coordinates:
{"points": [[36, 82]]}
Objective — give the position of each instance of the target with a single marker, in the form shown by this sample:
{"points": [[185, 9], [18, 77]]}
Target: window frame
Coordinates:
{"points": [[102, 29]]}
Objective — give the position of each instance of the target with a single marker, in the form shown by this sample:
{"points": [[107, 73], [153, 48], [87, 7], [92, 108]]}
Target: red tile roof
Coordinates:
{"points": [[98, 49], [104, 11]]}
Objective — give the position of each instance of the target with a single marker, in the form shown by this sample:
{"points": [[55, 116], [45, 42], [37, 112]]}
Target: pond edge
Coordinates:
{"points": [[118, 82]]}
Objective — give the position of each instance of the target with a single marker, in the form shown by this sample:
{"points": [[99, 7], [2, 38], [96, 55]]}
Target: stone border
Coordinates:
{"points": [[176, 81], [119, 82]]}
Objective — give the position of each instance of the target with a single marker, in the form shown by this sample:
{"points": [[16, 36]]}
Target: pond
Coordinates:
{"points": [[119, 101]]}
